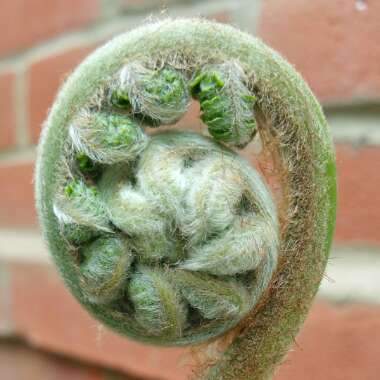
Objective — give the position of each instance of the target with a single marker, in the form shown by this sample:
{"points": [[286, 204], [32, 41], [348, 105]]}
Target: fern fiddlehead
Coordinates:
{"points": [[172, 238]]}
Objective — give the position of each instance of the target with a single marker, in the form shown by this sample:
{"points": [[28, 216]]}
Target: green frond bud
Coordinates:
{"points": [[158, 96], [239, 249], [226, 103], [105, 269], [106, 138], [80, 212], [214, 298], [158, 307], [78, 234]]}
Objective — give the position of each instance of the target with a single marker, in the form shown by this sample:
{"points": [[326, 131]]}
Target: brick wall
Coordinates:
{"points": [[334, 44]]}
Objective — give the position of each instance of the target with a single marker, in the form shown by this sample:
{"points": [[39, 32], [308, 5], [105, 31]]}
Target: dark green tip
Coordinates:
{"points": [[77, 188], [120, 99], [69, 189], [117, 130], [205, 83], [85, 164], [226, 104], [167, 86]]}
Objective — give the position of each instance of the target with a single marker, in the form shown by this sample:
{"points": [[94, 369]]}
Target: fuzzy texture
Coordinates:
{"points": [[106, 138], [295, 135], [105, 269], [78, 205], [226, 103], [158, 307], [157, 96]]}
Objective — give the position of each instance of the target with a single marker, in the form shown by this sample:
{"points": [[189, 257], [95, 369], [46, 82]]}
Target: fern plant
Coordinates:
{"points": [[171, 237]]}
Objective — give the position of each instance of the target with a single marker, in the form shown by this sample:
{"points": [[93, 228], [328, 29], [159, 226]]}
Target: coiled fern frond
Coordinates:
{"points": [[171, 237]]}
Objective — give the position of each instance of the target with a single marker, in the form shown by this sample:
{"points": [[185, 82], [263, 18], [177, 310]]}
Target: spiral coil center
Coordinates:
{"points": [[174, 232]]}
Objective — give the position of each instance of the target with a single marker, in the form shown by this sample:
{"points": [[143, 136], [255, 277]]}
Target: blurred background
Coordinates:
{"points": [[335, 44]]}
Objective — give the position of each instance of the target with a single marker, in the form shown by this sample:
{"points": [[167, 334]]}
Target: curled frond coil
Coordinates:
{"points": [[172, 238]]}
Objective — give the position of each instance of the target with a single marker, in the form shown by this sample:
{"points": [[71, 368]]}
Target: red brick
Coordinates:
{"points": [[28, 22], [44, 78], [358, 218], [7, 111], [336, 343], [24, 363], [17, 199], [334, 44], [44, 313]]}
